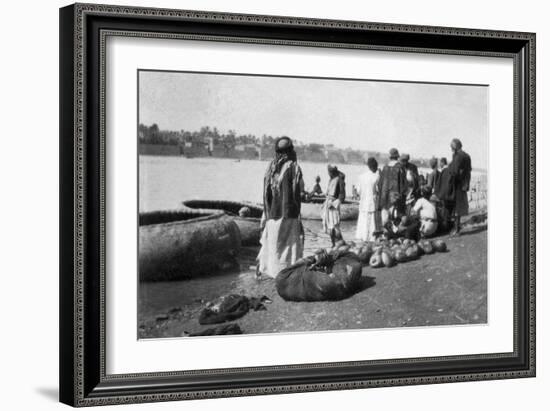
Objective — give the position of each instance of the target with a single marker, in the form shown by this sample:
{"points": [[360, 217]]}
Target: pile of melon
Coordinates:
{"points": [[387, 253]]}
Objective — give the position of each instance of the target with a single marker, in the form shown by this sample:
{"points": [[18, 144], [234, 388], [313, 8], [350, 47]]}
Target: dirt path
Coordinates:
{"points": [[440, 289]]}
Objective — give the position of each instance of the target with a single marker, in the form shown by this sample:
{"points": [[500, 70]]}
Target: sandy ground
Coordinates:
{"points": [[439, 289]]}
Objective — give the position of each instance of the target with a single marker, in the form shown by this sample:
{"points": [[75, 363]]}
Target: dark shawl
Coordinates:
{"points": [[445, 186], [282, 189], [461, 169], [392, 186], [432, 179]]}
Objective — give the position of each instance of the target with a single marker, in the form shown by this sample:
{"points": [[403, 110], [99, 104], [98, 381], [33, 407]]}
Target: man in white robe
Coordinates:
{"points": [[368, 222]]}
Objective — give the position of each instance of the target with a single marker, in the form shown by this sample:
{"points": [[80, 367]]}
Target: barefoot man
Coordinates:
{"points": [[283, 235], [330, 213]]}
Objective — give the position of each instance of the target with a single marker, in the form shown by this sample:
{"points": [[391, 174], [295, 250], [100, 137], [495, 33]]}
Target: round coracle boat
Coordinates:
{"points": [[311, 210], [180, 244], [246, 215]]}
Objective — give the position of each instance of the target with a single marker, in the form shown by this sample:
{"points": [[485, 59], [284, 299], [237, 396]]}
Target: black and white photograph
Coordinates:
{"points": [[273, 204]]}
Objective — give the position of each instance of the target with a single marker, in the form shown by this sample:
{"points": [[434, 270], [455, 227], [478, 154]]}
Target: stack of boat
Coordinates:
{"points": [[200, 238], [246, 215], [205, 236]]}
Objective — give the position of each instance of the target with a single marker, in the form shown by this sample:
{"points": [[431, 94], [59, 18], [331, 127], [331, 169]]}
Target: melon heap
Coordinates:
{"points": [[388, 253]]}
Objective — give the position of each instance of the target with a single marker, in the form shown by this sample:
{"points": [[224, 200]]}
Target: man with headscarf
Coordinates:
{"points": [[282, 242], [392, 187], [461, 169], [335, 196]]}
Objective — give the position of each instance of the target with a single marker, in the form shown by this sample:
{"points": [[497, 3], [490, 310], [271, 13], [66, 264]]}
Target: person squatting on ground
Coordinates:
{"points": [[405, 212], [335, 196], [368, 222], [317, 190], [426, 212], [282, 241]]}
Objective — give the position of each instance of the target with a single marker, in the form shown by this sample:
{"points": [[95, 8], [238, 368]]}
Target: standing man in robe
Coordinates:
{"points": [[330, 212], [461, 169], [431, 182], [368, 222], [392, 187], [444, 196], [282, 242]]}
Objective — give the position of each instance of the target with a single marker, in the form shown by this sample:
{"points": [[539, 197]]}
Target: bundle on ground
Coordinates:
{"points": [[335, 278]]}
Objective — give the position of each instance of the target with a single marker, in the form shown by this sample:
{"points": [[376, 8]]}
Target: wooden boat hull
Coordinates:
{"points": [[248, 226], [312, 211], [176, 245]]}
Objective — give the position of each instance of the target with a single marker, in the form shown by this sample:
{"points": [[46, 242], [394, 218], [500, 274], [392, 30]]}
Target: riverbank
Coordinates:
{"points": [[440, 289]]}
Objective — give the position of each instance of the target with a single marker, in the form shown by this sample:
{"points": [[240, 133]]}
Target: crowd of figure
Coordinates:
{"points": [[397, 201], [394, 201]]}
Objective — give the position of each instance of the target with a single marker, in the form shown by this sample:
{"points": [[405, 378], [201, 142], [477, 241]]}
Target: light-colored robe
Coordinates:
{"points": [[368, 221]]}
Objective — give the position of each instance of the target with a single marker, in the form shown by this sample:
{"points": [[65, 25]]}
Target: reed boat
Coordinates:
{"points": [[311, 210], [180, 244], [249, 226]]}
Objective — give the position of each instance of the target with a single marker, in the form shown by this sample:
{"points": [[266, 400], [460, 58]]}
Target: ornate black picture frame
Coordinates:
{"points": [[83, 30]]}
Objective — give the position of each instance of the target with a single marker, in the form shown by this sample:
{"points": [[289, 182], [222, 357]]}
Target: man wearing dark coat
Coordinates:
{"points": [[392, 186], [444, 195], [431, 182], [460, 169]]}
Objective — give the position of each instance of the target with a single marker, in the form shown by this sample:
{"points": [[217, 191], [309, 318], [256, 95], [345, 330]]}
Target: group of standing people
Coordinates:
{"points": [[398, 201], [393, 201]]}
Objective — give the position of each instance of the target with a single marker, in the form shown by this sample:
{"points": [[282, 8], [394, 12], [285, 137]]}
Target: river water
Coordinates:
{"points": [[164, 181]]}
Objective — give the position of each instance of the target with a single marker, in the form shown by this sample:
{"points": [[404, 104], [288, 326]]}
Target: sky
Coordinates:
{"points": [[417, 118]]}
